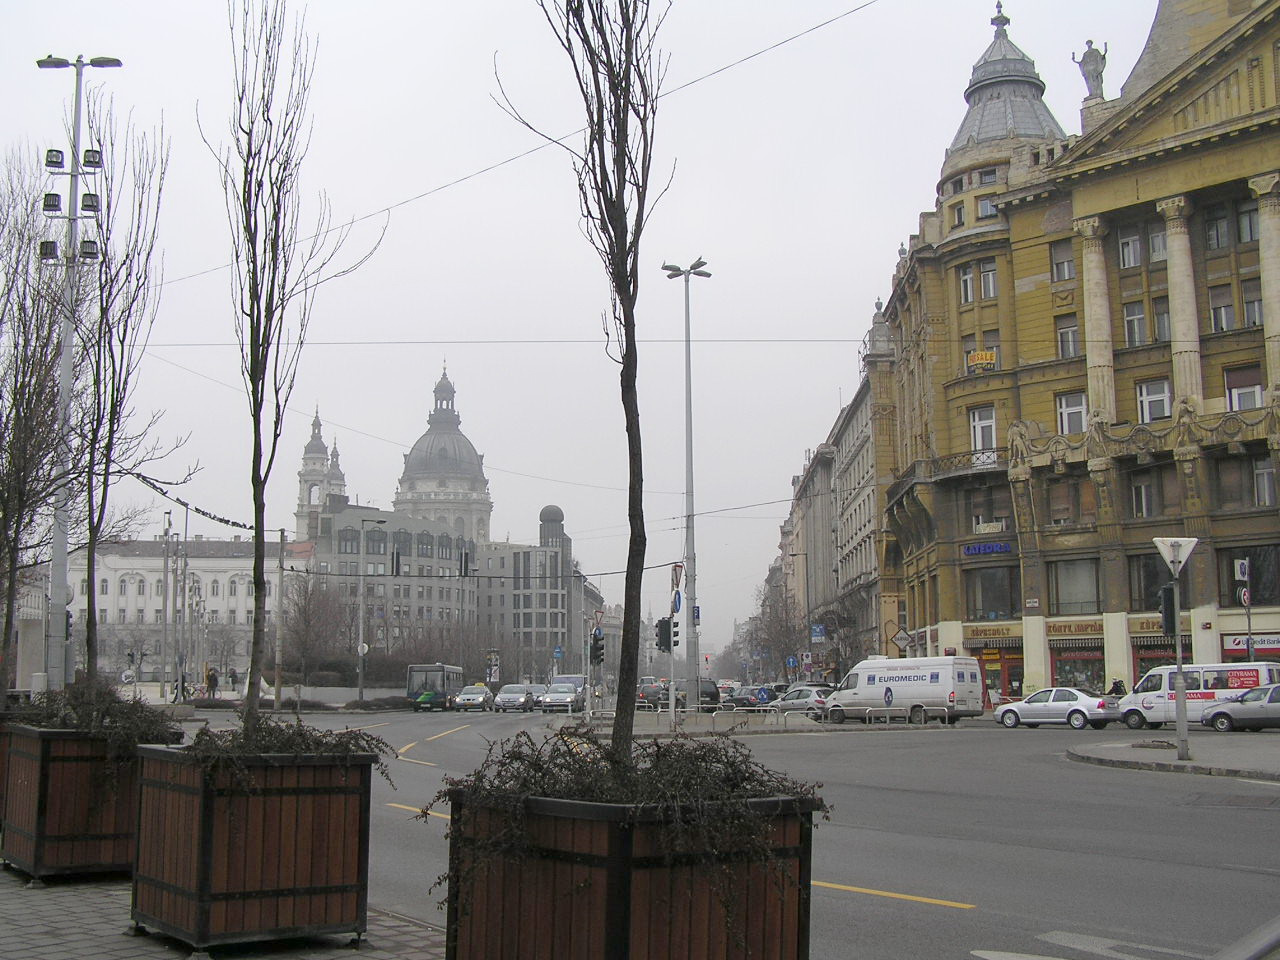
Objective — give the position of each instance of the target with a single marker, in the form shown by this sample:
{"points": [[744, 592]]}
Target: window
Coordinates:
{"points": [[214, 588], [1142, 491], [1216, 234], [122, 615], [159, 588], [1247, 222], [231, 588], [957, 185], [1130, 246], [124, 588], [159, 616], [1160, 316], [1154, 402], [1135, 324], [1156, 247], [1072, 412], [140, 617], [1251, 294], [992, 593], [348, 540], [988, 270], [1068, 328], [957, 215], [1071, 500], [142, 588], [1264, 482], [982, 433], [987, 176], [1222, 309], [375, 542], [1147, 574], [1244, 387], [1040, 696], [102, 615], [1073, 587], [966, 283], [986, 208], [1264, 575], [991, 508], [1063, 263]]}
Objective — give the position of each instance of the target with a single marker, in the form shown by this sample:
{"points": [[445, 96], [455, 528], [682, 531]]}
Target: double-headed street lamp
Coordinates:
{"points": [[56, 641], [808, 627], [361, 648], [691, 648]]}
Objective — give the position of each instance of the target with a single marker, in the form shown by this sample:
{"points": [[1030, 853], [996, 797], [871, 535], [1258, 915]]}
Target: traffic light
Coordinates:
{"points": [[663, 631], [1167, 619], [597, 650], [675, 630]]}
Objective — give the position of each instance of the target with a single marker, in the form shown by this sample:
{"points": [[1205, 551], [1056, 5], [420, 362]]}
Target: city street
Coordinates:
{"points": [[972, 841]]}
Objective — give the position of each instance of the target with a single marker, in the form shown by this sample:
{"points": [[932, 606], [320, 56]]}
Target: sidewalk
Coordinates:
{"points": [[1255, 756], [79, 918]]}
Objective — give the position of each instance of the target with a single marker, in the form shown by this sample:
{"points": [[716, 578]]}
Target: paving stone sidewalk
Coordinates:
{"points": [[88, 919]]}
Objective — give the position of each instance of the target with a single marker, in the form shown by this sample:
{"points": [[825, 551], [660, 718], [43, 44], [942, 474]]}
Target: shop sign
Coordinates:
{"points": [[1261, 641], [978, 549], [1073, 628], [992, 633], [1151, 626], [989, 654], [981, 360]]}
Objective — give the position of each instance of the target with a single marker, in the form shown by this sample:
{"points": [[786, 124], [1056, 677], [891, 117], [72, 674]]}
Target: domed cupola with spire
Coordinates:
{"points": [[1005, 97], [316, 481], [443, 477]]}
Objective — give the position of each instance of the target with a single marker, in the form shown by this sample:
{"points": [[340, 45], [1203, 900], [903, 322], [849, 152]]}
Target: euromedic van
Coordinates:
{"points": [[1151, 702], [911, 687]]}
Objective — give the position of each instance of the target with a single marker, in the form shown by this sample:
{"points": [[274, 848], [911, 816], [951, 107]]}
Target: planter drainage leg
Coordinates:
{"points": [[35, 883], [199, 955], [354, 942], [136, 930]]}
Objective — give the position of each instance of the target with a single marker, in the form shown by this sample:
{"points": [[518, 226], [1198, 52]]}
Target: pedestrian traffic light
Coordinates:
{"points": [[663, 630], [675, 630], [1168, 618], [597, 650]]}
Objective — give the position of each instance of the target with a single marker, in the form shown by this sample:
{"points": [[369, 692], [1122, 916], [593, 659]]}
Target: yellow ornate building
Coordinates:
{"points": [[1085, 342]]}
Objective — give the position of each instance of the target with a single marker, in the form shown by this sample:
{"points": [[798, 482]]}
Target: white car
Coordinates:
{"points": [[475, 697], [562, 696]]}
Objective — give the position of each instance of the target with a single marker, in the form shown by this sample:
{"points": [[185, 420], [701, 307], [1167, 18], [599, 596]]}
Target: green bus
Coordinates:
{"points": [[432, 686]]}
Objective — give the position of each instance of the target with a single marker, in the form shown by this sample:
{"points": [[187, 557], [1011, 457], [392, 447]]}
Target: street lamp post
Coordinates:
{"points": [[361, 649], [56, 642], [691, 647], [808, 628]]}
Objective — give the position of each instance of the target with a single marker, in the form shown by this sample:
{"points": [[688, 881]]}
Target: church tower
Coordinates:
{"points": [[319, 477]]}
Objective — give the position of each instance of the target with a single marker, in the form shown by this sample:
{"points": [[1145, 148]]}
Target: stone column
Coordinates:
{"points": [[1099, 362], [1184, 324], [1266, 188]]}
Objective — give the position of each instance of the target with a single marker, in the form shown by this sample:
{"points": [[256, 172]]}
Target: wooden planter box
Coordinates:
{"points": [[597, 886], [218, 864], [62, 811]]}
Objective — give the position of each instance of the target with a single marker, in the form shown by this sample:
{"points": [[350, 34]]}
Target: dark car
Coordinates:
{"points": [[708, 695], [741, 697], [650, 695]]}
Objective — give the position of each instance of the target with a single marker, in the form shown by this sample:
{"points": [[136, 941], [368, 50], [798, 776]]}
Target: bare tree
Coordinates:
{"points": [[612, 49], [113, 331], [313, 622], [30, 347], [278, 267]]}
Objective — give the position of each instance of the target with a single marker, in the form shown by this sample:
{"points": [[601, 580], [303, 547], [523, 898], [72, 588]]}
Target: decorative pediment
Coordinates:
{"points": [[1228, 87]]}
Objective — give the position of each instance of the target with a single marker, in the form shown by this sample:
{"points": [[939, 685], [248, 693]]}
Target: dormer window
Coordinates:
{"points": [[987, 176], [957, 185]]}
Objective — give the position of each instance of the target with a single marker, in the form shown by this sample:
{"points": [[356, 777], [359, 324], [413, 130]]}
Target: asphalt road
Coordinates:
{"points": [[943, 843]]}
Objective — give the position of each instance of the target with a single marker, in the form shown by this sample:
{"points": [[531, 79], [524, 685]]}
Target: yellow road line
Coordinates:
{"points": [[446, 733], [895, 896], [407, 747], [430, 813], [370, 726], [425, 763]]}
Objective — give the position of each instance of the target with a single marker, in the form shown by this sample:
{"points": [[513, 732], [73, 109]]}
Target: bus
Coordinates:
{"points": [[432, 686]]}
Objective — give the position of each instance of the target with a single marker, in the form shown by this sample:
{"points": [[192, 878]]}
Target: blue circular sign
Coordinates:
{"points": [[598, 633], [557, 653], [675, 602], [888, 696], [791, 661]]}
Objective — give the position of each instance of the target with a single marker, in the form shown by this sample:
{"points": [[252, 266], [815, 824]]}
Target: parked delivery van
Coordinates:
{"points": [[1151, 703], [916, 688]]}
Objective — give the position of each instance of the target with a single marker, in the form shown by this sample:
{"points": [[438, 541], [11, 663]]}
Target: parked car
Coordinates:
{"points": [[650, 695], [563, 696], [1251, 710], [1070, 705], [475, 697], [811, 701], [741, 697], [514, 696]]}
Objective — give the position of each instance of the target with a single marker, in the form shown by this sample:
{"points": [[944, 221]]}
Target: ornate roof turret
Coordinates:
{"points": [[1005, 96], [335, 468], [315, 446]]}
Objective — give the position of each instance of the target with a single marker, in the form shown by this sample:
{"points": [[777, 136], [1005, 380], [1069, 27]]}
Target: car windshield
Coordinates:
{"points": [[563, 688], [538, 688], [512, 688], [473, 689]]}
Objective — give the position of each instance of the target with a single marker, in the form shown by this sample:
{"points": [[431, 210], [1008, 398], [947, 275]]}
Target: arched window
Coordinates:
{"points": [[348, 540], [313, 494], [159, 588], [231, 588], [213, 588], [444, 547], [84, 588], [104, 588], [426, 545], [375, 542], [248, 588], [142, 587], [124, 587]]}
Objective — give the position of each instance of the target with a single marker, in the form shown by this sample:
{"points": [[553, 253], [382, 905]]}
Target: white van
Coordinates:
{"points": [[911, 687], [1151, 703]]}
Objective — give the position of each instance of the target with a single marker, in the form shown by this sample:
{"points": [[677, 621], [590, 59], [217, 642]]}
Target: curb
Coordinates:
{"points": [[1166, 766]]}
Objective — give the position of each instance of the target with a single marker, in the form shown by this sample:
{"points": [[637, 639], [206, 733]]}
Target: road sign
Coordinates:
{"points": [[806, 657], [1244, 596], [697, 616], [675, 602], [598, 633], [676, 570], [817, 631], [362, 649], [1242, 569], [599, 617], [557, 652], [1175, 550], [791, 662], [126, 676]]}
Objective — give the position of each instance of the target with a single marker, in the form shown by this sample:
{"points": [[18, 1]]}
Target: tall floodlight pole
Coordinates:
{"points": [[691, 647], [361, 648], [1175, 551], [56, 638], [164, 611]]}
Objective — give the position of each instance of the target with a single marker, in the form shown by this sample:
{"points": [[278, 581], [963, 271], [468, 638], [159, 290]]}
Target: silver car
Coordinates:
{"points": [[1070, 705], [474, 697], [1250, 710], [811, 701], [514, 696], [562, 696]]}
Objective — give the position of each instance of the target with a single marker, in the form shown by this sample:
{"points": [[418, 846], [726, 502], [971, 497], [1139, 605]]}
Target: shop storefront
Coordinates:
{"points": [[1235, 646], [1075, 654], [998, 650], [1149, 652]]}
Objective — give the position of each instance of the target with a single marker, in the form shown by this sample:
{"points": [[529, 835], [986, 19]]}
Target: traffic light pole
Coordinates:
{"points": [[1179, 680]]}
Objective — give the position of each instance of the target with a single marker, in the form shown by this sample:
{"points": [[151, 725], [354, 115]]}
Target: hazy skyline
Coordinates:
{"points": [[796, 173]]}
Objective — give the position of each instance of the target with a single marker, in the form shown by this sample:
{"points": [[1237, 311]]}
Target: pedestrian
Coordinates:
{"points": [[1117, 688], [211, 682], [235, 679]]}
